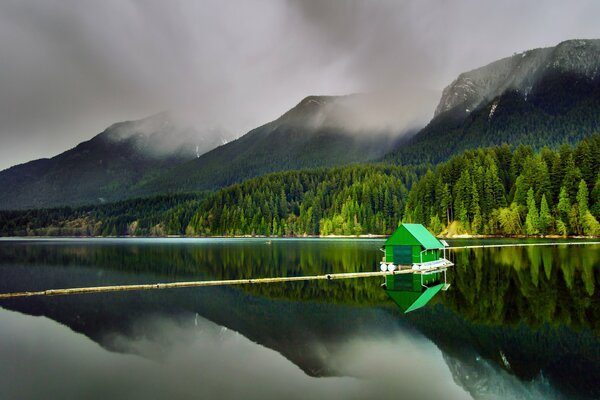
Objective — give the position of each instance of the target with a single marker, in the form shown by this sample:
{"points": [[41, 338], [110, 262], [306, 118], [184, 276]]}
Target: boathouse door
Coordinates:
{"points": [[403, 255]]}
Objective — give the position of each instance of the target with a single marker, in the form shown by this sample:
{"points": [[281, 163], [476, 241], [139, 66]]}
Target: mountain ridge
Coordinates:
{"points": [[555, 101], [520, 73], [317, 132], [541, 97], [104, 167]]}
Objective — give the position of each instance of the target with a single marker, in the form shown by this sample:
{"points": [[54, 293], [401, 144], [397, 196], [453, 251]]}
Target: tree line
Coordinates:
{"points": [[499, 190], [350, 200], [153, 216], [503, 191]]}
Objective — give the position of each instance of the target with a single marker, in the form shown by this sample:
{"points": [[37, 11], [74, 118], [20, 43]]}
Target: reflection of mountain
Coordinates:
{"points": [[483, 380], [287, 327], [567, 359], [496, 307]]}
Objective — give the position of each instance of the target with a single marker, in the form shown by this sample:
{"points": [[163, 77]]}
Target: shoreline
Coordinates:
{"points": [[359, 237]]}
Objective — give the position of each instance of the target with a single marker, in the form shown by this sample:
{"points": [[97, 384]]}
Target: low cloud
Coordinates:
{"points": [[70, 69]]}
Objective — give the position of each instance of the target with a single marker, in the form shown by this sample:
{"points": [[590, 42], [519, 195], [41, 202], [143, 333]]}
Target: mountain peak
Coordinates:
{"points": [[520, 73]]}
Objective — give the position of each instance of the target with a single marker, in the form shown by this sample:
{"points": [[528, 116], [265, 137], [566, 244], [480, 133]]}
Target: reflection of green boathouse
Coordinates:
{"points": [[412, 247]]}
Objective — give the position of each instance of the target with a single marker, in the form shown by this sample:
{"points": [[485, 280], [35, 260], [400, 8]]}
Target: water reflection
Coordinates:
{"points": [[533, 285], [203, 363], [203, 360], [525, 315]]}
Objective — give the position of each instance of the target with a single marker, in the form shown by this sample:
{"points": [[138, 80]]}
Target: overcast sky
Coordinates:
{"points": [[69, 68]]}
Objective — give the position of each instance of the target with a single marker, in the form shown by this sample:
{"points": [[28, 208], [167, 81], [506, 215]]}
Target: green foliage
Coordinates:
{"points": [[590, 225], [350, 200], [473, 188], [582, 199], [532, 219], [545, 220], [159, 215], [467, 194], [561, 228], [509, 219], [596, 198]]}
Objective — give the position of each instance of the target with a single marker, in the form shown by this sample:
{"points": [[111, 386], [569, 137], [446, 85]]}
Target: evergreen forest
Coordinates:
{"points": [[499, 190]]}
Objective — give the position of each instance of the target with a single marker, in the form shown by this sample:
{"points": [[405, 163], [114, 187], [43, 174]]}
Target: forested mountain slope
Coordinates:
{"points": [[106, 167], [321, 131], [540, 97], [499, 191]]}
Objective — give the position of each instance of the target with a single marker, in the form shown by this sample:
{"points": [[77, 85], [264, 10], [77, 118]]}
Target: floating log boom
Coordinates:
{"points": [[229, 282]]}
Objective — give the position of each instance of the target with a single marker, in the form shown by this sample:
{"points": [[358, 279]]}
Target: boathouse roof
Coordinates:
{"points": [[413, 235]]}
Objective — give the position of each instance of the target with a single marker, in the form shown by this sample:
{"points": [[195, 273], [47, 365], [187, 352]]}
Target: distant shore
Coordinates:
{"points": [[367, 236]]}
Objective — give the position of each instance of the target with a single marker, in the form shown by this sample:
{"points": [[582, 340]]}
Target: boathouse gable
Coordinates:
{"points": [[412, 243]]}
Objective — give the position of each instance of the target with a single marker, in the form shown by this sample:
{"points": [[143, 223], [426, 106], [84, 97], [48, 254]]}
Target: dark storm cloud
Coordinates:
{"points": [[70, 68]]}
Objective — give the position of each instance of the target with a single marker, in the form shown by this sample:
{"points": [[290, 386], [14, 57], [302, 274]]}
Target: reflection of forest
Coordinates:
{"points": [[231, 260], [496, 298], [501, 286], [534, 285]]}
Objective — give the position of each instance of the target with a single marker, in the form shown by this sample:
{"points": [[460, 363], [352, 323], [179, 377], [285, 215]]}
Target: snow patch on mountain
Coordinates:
{"points": [[492, 110]]}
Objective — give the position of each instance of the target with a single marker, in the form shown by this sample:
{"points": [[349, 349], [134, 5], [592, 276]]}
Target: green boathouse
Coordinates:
{"points": [[412, 247], [412, 244]]}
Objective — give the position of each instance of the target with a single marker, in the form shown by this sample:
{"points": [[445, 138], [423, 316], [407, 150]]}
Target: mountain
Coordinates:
{"points": [[320, 131], [540, 97], [106, 167]]}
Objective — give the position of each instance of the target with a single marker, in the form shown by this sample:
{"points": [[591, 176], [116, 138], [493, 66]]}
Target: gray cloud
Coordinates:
{"points": [[70, 68]]}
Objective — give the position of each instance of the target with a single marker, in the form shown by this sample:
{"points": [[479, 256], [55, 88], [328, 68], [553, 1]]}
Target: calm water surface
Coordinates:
{"points": [[516, 323]]}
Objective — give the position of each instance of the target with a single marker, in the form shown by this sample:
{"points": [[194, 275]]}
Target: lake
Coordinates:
{"points": [[516, 323]]}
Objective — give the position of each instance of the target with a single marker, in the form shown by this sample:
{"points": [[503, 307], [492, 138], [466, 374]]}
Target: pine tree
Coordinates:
{"points": [[595, 197], [509, 219], [446, 204], [435, 225], [561, 228], [532, 219], [462, 215], [521, 189], [582, 199], [545, 220], [475, 211], [564, 207], [572, 176], [583, 159], [556, 176], [588, 224]]}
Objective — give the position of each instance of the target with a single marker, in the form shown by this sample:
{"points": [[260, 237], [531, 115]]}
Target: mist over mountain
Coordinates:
{"points": [[105, 167], [539, 97], [320, 131], [164, 135]]}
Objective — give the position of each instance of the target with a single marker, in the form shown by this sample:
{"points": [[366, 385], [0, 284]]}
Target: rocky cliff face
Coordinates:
{"points": [[520, 73]]}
